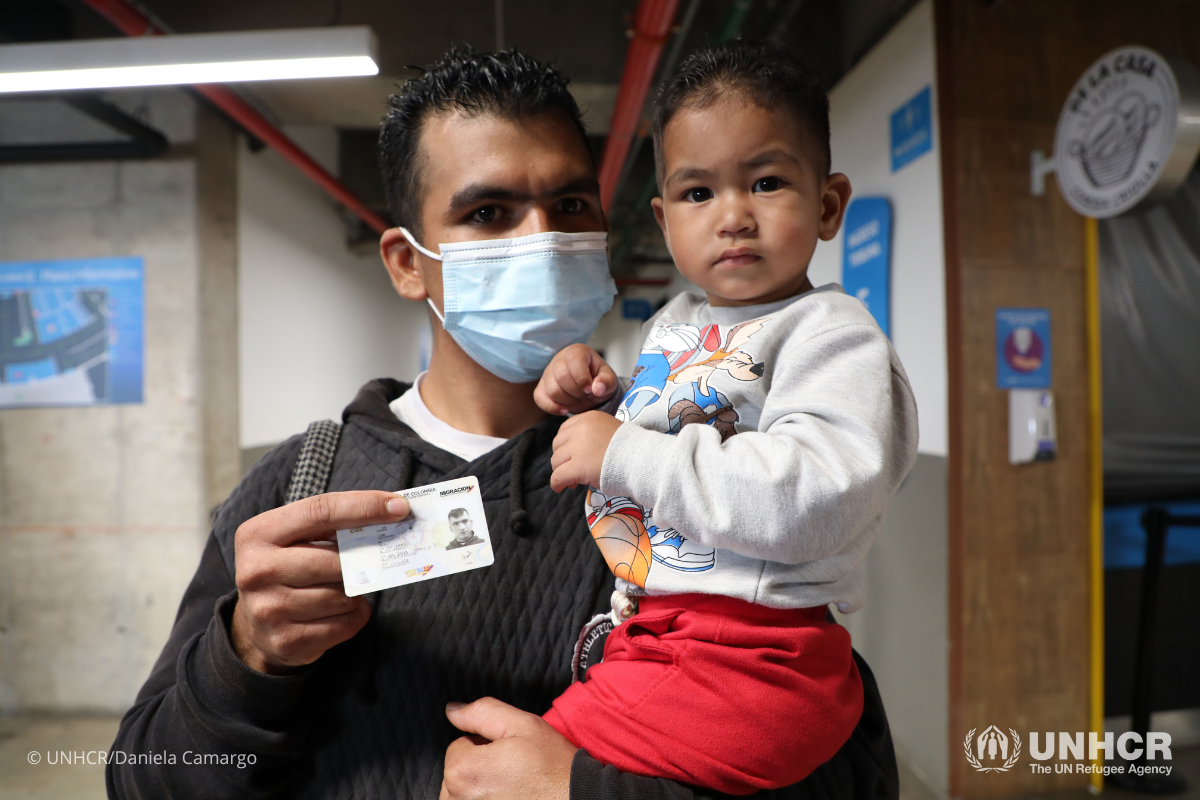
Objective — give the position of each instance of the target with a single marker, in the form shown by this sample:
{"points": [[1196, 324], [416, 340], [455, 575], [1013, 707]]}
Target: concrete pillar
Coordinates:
{"points": [[217, 240]]}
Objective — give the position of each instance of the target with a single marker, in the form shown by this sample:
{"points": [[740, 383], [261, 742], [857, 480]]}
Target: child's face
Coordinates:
{"points": [[743, 203]]}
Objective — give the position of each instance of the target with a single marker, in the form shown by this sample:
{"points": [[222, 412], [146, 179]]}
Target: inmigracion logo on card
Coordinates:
{"points": [[455, 490]]}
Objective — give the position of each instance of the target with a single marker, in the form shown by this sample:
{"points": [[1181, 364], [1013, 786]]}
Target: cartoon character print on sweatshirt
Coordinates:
{"points": [[676, 367]]}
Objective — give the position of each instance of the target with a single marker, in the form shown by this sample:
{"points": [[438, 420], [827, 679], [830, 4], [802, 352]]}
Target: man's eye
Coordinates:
{"points": [[697, 195], [767, 184], [485, 215], [571, 205]]}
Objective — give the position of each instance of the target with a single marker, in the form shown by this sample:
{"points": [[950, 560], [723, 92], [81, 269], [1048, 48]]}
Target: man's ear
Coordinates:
{"points": [[399, 258], [835, 195], [660, 217]]}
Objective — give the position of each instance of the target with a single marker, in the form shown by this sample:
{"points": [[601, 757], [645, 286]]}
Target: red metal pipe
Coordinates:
{"points": [[651, 28], [132, 22], [258, 125]]}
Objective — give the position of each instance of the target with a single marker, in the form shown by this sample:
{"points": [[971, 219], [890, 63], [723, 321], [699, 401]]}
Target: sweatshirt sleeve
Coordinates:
{"points": [[204, 724], [837, 434]]}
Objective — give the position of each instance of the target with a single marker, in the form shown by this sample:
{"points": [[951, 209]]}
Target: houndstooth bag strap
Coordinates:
{"points": [[311, 474]]}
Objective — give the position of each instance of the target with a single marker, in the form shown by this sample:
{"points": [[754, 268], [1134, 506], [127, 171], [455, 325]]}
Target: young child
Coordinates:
{"points": [[746, 468]]}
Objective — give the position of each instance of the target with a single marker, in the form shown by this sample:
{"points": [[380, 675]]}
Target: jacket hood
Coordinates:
{"points": [[520, 465]]}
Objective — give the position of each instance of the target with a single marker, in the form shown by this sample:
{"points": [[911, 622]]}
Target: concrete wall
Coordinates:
{"points": [[902, 631], [316, 320], [860, 107], [258, 320], [103, 511]]}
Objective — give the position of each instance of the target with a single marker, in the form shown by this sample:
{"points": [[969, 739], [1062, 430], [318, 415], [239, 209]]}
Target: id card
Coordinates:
{"points": [[444, 533]]}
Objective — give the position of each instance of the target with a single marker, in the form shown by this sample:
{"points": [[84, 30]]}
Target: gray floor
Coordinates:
{"points": [[47, 736], [21, 780]]}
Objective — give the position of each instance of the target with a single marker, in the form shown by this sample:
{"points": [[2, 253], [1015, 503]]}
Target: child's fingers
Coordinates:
{"points": [[578, 359], [549, 397], [605, 382], [563, 373], [562, 478]]}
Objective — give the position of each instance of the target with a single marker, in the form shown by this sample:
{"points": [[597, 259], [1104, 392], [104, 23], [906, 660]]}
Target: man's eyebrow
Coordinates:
{"points": [[474, 193], [582, 185]]}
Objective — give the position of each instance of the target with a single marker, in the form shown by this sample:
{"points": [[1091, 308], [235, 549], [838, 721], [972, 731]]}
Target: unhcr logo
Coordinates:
{"points": [[992, 746], [993, 750]]}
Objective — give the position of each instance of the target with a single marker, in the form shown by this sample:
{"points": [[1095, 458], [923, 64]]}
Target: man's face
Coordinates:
{"points": [[485, 177], [462, 527]]}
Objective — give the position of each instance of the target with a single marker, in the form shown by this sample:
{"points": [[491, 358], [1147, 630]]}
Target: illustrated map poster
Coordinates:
{"points": [[71, 332]]}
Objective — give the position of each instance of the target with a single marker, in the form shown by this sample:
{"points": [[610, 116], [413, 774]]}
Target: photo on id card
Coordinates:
{"points": [[445, 533]]}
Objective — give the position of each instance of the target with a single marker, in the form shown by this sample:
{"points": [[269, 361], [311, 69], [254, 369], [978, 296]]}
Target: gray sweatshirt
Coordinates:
{"points": [[766, 443]]}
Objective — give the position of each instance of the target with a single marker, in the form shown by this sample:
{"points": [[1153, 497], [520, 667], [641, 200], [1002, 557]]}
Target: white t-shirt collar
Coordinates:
{"points": [[410, 409]]}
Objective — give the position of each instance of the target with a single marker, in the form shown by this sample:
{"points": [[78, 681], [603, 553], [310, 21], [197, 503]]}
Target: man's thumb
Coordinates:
{"points": [[489, 718]]}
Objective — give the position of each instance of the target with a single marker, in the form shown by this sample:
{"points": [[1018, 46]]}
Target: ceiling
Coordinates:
{"points": [[587, 40]]}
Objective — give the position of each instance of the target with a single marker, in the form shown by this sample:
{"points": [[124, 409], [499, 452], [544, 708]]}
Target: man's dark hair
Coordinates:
{"points": [[458, 512], [508, 84], [763, 73]]}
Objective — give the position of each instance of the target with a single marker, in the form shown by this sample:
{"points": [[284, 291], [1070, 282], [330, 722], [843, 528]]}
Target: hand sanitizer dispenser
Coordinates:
{"points": [[1031, 430]]}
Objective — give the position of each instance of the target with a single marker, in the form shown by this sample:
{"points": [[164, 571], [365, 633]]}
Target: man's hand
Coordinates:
{"points": [[579, 450], [508, 754], [291, 604], [576, 380]]}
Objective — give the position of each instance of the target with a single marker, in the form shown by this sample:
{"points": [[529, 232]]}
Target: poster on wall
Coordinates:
{"points": [[912, 129], [1023, 348], [867, 256], [71, 332]]}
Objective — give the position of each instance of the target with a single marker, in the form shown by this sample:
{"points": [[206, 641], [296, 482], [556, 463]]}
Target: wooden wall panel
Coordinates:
{"points": [[1019, 548]]}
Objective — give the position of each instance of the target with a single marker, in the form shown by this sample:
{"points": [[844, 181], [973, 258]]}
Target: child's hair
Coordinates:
{"points": [[761, 72]]}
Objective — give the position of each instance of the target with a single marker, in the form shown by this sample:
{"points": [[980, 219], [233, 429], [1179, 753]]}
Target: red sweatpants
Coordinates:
{"points": [[716, 692]]}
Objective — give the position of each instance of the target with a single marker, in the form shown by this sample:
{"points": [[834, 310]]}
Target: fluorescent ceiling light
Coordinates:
{"points": [[188, 58]]}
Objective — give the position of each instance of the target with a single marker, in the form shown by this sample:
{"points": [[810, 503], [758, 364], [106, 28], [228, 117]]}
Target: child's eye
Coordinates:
{"points": [[767, 184], [697, 195]]}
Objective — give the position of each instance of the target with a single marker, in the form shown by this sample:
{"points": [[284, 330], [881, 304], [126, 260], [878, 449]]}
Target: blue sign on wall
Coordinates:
{"points": [[912, 130], [71, 332], [867, 256], [636, 308], [1023, 348]]}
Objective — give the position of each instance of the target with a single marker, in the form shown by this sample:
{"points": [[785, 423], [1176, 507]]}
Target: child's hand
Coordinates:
{"points": [[579, 450], [576, 380]]}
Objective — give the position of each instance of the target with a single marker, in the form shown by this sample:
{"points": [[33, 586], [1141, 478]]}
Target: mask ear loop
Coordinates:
{"points": [[429, 254], [420, 249]]}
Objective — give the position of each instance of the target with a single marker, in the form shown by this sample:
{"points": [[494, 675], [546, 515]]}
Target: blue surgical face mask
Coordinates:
{"points": [[511, 304]]}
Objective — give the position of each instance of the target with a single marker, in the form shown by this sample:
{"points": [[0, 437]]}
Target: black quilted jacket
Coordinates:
{"points": [[367, 720]]}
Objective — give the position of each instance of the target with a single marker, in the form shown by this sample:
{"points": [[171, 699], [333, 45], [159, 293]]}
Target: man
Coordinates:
{"points": [[360, 697], [463, 529]]}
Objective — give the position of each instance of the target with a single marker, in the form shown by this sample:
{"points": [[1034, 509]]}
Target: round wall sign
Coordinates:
{"points": [[1129, 131]]}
